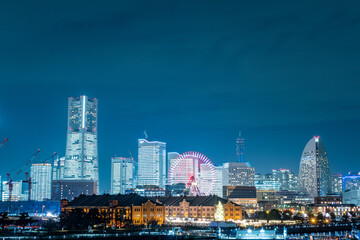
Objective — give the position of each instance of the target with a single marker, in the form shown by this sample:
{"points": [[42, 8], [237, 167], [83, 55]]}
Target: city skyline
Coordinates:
{"points": [[278, 72]]}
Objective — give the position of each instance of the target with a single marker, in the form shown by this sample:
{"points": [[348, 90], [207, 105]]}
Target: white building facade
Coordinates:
{"points": [[41, 181], [152, 168], [122, 174]]}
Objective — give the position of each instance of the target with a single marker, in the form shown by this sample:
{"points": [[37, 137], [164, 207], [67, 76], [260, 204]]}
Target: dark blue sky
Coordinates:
{"points": [[193, 73]]}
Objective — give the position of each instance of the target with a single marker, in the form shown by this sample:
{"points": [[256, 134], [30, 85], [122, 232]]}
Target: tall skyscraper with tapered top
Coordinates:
{"points": [[81, 159], [240, 148], [314, 171]]}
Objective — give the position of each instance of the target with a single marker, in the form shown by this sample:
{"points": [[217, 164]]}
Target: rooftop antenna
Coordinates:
{"points": [[146, 135]]}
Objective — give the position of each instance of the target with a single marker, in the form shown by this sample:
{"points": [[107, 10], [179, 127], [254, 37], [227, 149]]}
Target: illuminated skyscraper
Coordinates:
{"points": [[81, 160], [152, 163], [240, 148], [122, 174], [240, 173], [41, 181], [58, 168], [314, 172]]}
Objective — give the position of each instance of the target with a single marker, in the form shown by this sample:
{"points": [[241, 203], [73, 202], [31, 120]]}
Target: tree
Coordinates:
{"points": [[320, 217], [287, 214], [219, 212], [274, 215]]}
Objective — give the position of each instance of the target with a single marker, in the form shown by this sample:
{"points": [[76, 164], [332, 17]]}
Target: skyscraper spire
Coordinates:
{"points": [[240, 149]]}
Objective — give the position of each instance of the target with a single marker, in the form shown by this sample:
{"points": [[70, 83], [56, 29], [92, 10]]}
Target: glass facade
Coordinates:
{"points": [[240, 173], [152, 168], [122, 174], [41, 181], [314, 171], [81, 160]]}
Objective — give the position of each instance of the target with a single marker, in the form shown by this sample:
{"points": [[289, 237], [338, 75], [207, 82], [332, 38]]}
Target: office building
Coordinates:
{"points": [[122, 174], [58, 168], [351, 182], [81, 160], [266, 182], [41, 181], [336, 183], [152, 163], [314, 171], [240, 173], [69, 189], [287, 179], [351, 197], [221, 180]]}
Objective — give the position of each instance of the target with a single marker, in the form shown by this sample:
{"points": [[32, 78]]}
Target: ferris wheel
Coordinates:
{"points": [[196, 171]]}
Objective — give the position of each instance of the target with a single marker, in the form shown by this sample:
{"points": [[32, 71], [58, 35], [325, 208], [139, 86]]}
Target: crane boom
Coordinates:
{"points": [[3, 142]]}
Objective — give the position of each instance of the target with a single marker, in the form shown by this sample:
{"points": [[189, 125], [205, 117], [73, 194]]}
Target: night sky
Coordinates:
{"points": [[192, 73]]}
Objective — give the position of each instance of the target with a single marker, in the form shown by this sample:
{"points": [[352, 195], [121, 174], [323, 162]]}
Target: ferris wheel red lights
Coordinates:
{"points": [[196, 171]]}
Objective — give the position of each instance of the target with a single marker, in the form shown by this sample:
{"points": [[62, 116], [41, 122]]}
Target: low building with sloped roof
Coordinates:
{"points": [[114, 210], [198, 207]]}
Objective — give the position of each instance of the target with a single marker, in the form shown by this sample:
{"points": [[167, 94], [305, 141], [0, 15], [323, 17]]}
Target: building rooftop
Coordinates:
{"points": [[104, 200], [211, 200]]}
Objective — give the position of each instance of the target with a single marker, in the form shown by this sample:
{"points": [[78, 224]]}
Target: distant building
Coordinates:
{"points": [[242, 195], [58, 168], [41, 181], [328, 200], [81, 159], [171, 156], [351, 182], [152, 163], [240, 173], [337, 209], [351, 197], [69, 189], [314, 173], [222, 179], [122, 174], [178, 189], [287, 179], [197, 208], [147, 191], [19, 192], [336, 183], [266, 182]]}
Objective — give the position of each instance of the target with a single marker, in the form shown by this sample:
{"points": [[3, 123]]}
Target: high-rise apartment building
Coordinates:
{"points": [[240, 173], [287, 179], [240, 148], [152, 168], [122, 174], [41, 181], [314, 171], [18, 191], [81, 160]]}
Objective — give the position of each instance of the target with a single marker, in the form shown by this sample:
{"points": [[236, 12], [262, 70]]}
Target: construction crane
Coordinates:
{"points": [[10, 181], [3, 142]]}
